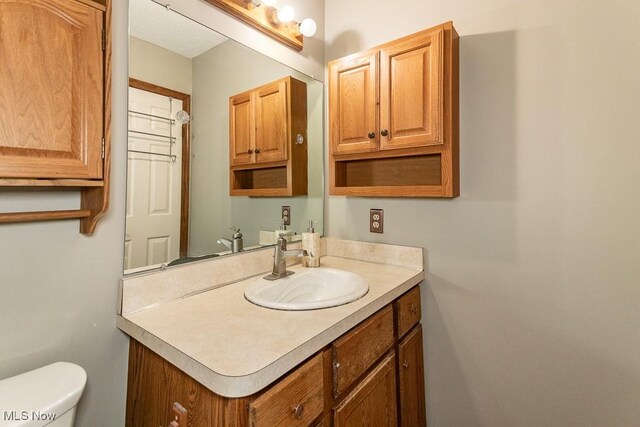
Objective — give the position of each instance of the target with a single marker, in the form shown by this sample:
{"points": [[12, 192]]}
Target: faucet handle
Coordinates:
{"points": [[236, 232]]}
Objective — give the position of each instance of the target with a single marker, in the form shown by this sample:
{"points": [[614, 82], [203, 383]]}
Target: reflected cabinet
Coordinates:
{"points": [[54, 69], [393, 118], [267, 140]]}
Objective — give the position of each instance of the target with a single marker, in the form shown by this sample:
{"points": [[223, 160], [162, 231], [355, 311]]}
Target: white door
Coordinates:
{"points": [[153, 180]]}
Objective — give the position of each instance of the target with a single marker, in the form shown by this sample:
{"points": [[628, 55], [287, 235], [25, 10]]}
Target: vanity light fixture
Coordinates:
{"points": [[307, 27], [276, 22], [286, 14]]}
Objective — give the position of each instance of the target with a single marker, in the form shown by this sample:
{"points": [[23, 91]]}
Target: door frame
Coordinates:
{"points": [[186, 155]]}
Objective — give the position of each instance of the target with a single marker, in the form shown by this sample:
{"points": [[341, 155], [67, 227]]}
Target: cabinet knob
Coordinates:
{"points": [[405, 364], [384, 132], [249, 151], [372, 135], [298, 410], [257, 151], [413, 309]]}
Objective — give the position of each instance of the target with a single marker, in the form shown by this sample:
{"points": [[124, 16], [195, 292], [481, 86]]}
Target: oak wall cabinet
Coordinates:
{"points": [[267, 140], [393, 118], [55, 102], [371, 375]]}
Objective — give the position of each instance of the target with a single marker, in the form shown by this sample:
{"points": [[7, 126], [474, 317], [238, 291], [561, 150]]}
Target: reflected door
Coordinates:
{"points": [[154, 180]]}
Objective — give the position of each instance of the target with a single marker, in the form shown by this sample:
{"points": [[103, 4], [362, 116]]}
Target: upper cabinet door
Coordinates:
{"points": [[271, 127], [352, 103], [51, 101], [241, 129], [411, 90]]}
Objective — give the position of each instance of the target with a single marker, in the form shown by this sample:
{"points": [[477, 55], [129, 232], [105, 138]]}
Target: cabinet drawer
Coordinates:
{"points": [[356, 351], [296, 400], [408, 311]]}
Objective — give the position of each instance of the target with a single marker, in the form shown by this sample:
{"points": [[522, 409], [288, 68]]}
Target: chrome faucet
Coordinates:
{"points": [[280, 259], [234, 245]]}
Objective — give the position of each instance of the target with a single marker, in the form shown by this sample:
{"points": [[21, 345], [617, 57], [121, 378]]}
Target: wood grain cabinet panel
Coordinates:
{"points": [[271, 123], [51, 102], [411, 377], [411, 88], [353, 97], [241, 130], [296, 400], [373, 401], [397, 101], [55, 102], [264, 124]]}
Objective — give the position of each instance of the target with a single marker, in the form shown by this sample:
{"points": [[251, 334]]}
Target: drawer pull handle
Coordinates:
{"points": [[405, 364], [298, 410], [413, 309], [337, 365]]}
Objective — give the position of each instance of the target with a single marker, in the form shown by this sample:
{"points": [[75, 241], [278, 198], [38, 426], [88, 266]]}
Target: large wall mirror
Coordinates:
{"points": [[181, 75]]}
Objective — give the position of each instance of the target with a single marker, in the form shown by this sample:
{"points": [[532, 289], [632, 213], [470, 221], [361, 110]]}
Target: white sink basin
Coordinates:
{"points": [[308, 289]]}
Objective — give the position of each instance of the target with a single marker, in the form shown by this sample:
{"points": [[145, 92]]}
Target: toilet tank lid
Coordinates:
{"points": [[54, 388]]}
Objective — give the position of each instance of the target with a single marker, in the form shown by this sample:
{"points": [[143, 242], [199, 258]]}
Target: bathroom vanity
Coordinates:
{"points": [[226, 361]]}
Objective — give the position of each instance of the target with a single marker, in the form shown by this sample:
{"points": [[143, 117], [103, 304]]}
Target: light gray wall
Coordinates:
{"points": [[225, 70], [59, 287], [531, 302], [157, 65]]}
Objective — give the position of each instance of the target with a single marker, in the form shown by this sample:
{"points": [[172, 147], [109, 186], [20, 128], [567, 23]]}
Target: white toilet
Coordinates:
{"points": [[46, 396]]}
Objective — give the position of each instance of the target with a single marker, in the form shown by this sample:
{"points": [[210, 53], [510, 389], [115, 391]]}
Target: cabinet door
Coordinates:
{"points": [[411, 90], [51, 102], [352, 103], [271, 122], [373, 401], [241, 129], [411, 376]]}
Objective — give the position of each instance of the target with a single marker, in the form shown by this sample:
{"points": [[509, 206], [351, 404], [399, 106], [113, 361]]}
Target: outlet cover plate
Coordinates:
{"points": [[376, 221], [286, 215]]}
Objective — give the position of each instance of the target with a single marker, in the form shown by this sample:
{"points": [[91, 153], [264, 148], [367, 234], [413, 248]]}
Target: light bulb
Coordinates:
{"points": [[286, 14], [269, 2], [308, 27]]}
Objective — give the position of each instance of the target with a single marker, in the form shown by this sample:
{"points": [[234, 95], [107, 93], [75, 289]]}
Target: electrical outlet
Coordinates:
{"points": [[286, 215], [376, 221]]}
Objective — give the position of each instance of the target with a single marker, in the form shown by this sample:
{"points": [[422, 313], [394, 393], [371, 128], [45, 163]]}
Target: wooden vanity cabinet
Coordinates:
{"points": [[265, 124], [54, 100], [393, 118], [371, 375]]}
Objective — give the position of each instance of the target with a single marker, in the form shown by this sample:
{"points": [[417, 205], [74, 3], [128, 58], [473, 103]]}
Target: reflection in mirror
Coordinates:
{"points": [[178, 204]]}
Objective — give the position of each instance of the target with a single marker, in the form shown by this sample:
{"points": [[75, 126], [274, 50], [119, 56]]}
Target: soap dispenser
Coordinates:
{"points": [[311, 244], [283, 230]]}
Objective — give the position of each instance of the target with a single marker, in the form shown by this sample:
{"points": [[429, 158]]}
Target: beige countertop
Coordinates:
{"points": [[236, 348]]}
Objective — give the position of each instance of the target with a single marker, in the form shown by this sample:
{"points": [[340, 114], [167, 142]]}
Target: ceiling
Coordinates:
{"points": [[155, 24]]}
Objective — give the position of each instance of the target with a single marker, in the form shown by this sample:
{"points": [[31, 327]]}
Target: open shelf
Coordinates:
{"points": [[260, 179], [411, 176]]}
